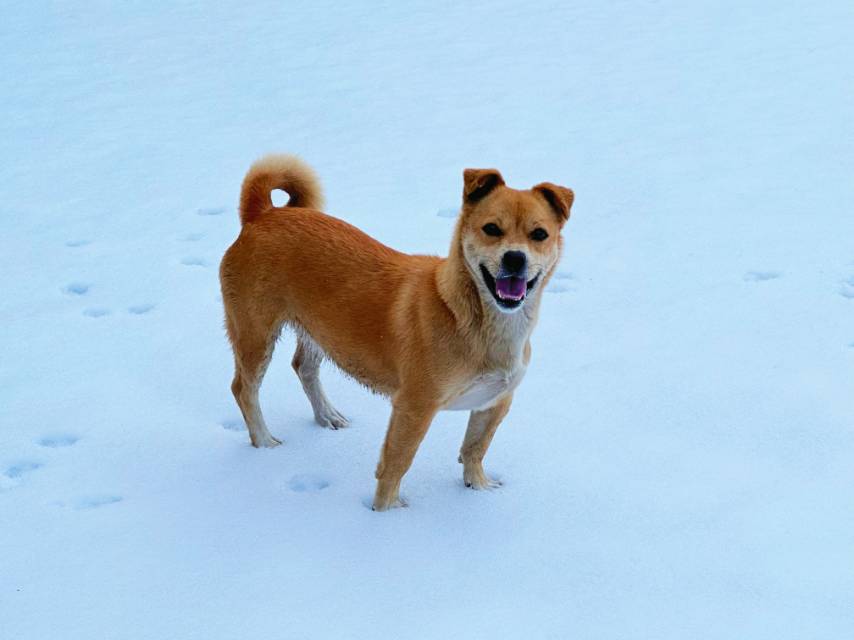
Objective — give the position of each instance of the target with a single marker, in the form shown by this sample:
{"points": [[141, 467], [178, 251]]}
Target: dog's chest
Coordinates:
{"points": [[485, 389]]}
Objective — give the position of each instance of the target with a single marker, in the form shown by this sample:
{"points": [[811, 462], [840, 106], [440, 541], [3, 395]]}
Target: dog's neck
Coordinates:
{"points": [[477, 317]]}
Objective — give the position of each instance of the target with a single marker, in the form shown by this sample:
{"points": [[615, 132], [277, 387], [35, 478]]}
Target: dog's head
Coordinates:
{"points": [[511, 239]]}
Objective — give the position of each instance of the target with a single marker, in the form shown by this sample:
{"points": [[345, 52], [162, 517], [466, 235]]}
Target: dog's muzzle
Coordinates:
{"points": [[510, 287]]}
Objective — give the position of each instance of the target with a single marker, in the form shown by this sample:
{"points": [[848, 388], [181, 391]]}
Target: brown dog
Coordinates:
{"points": [[431, 333]]}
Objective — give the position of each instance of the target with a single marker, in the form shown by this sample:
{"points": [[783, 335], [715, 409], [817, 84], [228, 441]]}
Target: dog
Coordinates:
{"points": [[430, 333]]}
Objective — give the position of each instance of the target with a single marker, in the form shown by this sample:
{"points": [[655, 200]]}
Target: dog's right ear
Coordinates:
{"points": [[478, 183]]}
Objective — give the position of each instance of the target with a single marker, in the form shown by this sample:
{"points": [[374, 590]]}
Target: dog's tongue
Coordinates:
{"points": [[511, 288]]}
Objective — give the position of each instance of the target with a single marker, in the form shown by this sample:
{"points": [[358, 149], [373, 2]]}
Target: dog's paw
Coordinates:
{"points": [[266, 441], [485, 484], [476, 479], [330, 418], [396, 503], [387, 496]]}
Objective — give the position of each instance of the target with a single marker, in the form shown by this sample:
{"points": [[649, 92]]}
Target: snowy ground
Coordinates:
{"points": [[679, 462]]}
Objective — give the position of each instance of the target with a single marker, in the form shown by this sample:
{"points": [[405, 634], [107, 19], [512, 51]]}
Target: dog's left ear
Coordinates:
{"points": [[560, 199], [477, 183]]}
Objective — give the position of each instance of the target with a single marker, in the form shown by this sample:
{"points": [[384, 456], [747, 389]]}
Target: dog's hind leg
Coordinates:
{"points": [[252, 352], [306, 363]]}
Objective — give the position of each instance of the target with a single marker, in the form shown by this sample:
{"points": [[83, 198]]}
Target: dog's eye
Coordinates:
{"points": [[539, 234], [492, 229]]}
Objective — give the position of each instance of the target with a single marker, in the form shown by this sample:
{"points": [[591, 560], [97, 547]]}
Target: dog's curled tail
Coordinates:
{"points": [[285, 172]]}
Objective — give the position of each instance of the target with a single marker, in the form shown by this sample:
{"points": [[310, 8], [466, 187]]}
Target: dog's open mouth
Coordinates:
{"points": [[509, 291]]}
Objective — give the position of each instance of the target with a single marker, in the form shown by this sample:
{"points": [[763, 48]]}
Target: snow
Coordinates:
{"points": [[679, 460]]}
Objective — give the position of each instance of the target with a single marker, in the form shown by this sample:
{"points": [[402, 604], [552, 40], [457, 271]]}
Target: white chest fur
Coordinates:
{"points": [[510, 333], [484, 390]]}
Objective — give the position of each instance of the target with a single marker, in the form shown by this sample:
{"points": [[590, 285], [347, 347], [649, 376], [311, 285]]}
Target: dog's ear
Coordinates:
{"points": [[477, 183], [559, 198]]}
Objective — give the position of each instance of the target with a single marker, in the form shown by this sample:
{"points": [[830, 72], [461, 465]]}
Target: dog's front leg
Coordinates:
{"points": [[481, 428], [410, 419]]}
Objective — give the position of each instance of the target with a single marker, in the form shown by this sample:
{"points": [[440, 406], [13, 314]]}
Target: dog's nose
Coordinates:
{"points": [[514, 262]]}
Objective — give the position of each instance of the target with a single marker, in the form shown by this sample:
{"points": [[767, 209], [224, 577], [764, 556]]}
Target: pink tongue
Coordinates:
{"points": [[511, 288]]}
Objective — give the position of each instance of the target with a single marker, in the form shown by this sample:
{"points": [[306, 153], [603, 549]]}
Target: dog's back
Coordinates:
{"points": [[296, 265]]}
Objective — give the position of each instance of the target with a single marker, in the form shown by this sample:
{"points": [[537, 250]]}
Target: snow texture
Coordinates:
{"points": [[679, 461]]}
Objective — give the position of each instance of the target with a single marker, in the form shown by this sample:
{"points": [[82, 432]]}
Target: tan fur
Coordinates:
{"points": [[423, 330]]}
